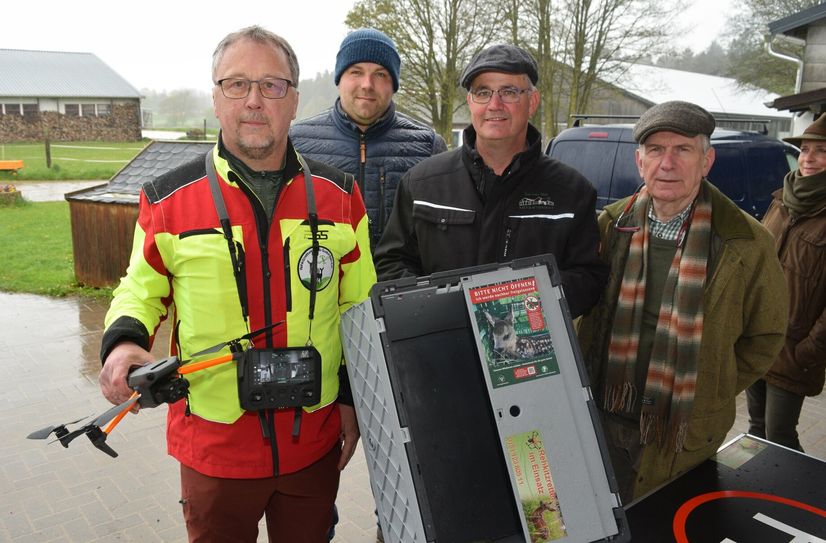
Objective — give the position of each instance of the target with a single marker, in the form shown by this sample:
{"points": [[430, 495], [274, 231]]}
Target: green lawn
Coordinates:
{"points": [[70, 160], [37, 250]]}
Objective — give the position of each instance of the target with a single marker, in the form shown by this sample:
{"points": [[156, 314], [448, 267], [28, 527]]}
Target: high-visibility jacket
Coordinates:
{"points": [[181, 266]]}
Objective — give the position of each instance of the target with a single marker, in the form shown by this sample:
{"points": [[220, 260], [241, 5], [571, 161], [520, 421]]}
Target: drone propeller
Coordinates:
{"points": [[115, 411], [92, 430], [216, 348], [68, 437], [59, 430], [98, 439]]}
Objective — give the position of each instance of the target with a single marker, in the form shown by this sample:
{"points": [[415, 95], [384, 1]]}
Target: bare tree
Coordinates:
{"points": [[578, 45], [747, 31], [581, 44], [435, 40]]}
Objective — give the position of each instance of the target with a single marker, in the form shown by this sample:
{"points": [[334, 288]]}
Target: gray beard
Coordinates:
{"points": [[256, 153]]}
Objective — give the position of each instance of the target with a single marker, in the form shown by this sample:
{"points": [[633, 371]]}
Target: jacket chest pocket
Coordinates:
{"points": [[204, 255], [805, 254], [200, 266], [442, 217]]}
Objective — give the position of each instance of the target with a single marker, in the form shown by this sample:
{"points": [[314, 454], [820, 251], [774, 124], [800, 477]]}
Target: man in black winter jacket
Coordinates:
{"points": [[362, 133], [498, 197]]}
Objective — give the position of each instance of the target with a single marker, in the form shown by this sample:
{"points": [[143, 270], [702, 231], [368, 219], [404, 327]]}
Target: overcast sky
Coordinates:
{"points": [[168, 44]]}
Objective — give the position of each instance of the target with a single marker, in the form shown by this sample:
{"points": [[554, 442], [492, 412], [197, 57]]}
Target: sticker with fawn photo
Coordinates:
{"points": [[516, 343]]}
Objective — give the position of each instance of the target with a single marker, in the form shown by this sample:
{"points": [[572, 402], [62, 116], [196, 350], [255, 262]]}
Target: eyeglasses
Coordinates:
{"points": [[270, 87], [509, 95], [628, 206]]}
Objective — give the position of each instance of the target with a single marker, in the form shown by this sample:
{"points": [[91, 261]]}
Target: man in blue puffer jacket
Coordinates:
{"points": [[362, 133]]}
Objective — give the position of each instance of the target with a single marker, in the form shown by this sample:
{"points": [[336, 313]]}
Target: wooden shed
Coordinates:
{"points": [[103, 217]]}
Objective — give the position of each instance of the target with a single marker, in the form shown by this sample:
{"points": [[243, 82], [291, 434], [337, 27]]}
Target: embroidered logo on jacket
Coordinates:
{"points": [[324, 271], [536, 201]]}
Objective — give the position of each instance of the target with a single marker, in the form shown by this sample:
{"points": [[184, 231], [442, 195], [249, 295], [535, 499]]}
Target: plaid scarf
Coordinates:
{"points": [[672, 370]]}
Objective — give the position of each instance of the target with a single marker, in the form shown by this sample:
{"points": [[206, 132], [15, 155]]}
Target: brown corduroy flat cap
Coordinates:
{"points": [[683, 118], [508, 59], [815, 131]]}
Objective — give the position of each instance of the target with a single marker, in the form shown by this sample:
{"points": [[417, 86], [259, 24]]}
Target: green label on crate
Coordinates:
{"points": [[528, 459]]}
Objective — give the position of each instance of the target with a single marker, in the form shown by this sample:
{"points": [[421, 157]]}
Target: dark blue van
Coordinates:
{"points": [[748, 166]]}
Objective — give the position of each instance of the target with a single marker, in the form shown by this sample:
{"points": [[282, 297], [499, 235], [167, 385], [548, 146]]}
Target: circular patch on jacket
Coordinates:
{"points": [[324, 271]]}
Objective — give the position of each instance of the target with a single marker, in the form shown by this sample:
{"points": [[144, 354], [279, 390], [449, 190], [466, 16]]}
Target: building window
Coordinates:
{"points": [[30, 110], [104, 110], [72, 110], [12, 109], [87, 110]]}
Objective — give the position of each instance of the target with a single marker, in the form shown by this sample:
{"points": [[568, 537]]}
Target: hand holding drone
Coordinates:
{"points": [[267, 379]]}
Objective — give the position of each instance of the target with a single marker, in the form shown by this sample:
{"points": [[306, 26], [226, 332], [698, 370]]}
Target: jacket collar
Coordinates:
{"points": [[347, 126], [291, 165], [727, 220], [524, 160]]}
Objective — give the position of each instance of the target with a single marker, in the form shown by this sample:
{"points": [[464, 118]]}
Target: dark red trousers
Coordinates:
{"points": [[298, 506]]}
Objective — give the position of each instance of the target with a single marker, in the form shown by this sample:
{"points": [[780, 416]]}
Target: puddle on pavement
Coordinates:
{"points": [[67, 329], [49, 191]]}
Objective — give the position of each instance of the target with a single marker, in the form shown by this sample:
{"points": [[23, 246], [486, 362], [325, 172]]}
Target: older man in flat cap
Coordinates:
{"points": [[694, 310], [498, 197]]}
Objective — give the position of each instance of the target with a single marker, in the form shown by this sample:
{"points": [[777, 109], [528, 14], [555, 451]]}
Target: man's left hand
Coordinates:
{"points": [[349, 434]]}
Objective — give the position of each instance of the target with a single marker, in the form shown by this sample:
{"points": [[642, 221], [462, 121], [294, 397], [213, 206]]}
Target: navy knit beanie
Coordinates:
{"points": [[368, 45]]}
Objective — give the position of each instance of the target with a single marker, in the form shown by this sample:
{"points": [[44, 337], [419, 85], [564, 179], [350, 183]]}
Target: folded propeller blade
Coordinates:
{"points": [[43, 433], [115, 411], [98, 439]]}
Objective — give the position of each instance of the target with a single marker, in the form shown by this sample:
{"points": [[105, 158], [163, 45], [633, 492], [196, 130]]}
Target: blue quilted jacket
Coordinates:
{"points": [[377, 157]]}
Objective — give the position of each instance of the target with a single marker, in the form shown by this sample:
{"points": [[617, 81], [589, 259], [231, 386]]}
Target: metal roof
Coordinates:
{"points": [[156, 159], [797, 20], [52, 74], [718, 95]]}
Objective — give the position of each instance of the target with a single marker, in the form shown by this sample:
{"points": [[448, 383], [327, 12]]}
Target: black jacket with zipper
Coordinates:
{"points": [[451, 211]]}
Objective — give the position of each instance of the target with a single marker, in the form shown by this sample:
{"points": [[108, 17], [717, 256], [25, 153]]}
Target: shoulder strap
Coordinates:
{"points": [[236, 250], [312, 218]]}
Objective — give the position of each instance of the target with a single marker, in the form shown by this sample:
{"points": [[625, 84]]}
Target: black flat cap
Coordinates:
{"points": [[684, 118], [508, 59]]}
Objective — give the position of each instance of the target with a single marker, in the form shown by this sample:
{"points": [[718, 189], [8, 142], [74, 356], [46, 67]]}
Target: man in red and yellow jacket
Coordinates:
{"points": [[217, 284]]}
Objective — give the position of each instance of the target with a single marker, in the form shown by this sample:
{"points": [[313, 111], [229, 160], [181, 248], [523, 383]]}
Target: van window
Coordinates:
{"points": [[590, 158], [727, 172], [767, 166], [626, 176]]}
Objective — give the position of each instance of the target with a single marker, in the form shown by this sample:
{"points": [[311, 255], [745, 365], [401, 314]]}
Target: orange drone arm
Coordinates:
{"points": [[204, 364], [189, 368], [114, 422]]}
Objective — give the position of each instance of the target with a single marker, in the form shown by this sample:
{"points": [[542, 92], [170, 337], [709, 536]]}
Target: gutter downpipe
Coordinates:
{"points": [[790, 58]]}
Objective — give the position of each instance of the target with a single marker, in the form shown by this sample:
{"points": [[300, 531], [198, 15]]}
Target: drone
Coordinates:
{"points": [[153, 384]]}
